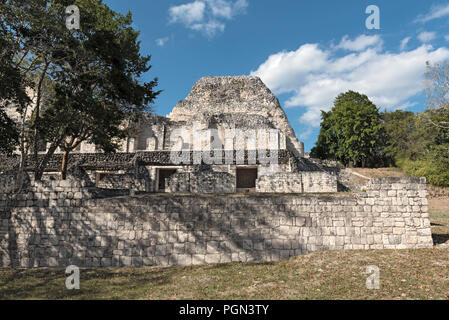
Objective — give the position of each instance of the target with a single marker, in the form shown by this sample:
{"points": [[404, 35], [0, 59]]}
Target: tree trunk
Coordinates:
{"points": [[38, 176], [43, 164], [65, 159], [23, 153]]}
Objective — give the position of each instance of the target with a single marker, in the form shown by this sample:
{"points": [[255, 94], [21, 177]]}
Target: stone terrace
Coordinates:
{"points": [[61, 223]]}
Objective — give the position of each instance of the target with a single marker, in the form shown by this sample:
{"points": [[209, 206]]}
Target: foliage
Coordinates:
{"points": [[12, 91], [9, 133], [434, 166], [417, 148], [93, 75], [437, 91], [352, 132]]}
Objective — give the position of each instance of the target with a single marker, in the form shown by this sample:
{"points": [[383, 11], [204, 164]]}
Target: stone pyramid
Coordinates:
{"points": [[236, 95]]}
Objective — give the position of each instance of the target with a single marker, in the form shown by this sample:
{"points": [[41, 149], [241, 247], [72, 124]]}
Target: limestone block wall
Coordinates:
{"points": [[304, 182], [179, 182], [319, 182], [121, 181], [201, 182], [280, 182], [7, 182], [60, 223]]}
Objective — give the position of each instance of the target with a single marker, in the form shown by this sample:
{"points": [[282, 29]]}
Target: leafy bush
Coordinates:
{"points": [[434, 166]]}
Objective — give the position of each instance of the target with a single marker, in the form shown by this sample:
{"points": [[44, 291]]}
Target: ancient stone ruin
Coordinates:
{"points": [[222, 178], [229, 134]]}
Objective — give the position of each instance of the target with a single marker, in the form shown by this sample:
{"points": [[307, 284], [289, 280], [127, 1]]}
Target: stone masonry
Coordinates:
{"points": [[59, 223], [304, 182]]}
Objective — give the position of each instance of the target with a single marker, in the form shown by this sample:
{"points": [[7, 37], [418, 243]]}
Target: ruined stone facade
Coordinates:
{"points": [[229, 134]]}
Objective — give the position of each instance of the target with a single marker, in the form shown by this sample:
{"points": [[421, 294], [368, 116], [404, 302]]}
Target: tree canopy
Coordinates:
{"points": [[87, 82], [352, 132], [437, 91], [12, 90]]}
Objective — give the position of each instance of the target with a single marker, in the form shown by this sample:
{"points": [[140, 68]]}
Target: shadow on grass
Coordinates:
{"points": [[24, 284], [50, 283], [440, 238], [436, 224]]}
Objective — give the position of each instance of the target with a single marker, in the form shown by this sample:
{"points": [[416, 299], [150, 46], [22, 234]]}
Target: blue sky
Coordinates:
{"points": [[305, 51]]}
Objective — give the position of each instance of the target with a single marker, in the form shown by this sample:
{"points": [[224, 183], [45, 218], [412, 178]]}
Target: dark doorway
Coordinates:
{"points": [[164, 174], [246, 178]]}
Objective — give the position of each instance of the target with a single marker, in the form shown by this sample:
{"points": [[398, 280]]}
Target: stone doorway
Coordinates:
{"points": [[162, 175], [246, 179]]}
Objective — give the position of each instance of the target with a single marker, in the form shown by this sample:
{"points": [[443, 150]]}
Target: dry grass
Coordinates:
{"points": [[404, 274], [439, 218], [379, 172]]}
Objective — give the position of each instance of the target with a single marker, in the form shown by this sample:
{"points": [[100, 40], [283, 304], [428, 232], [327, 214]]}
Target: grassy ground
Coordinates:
{"points": [[439, 218], [404, 274], [379, 172]]}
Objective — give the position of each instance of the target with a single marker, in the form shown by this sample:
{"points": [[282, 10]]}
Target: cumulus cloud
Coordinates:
{"points": [[360, 43], [314, 76], [162, 41], [426, 36], [435, 12], [210, 28], [187, 13], [404, 43], [227, 9], [207, 16]]}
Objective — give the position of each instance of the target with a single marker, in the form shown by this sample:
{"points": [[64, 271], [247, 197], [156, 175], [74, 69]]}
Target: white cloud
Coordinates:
{"points": [[207, 16], [227, 9], [314, 76], [446, 37], [162, 41], [187, 13], [435, 12], [210, 28], [426, 36], [404, 42], [360, 43], [305, 134]]}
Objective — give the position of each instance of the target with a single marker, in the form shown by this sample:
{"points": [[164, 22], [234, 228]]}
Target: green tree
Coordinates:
{"points": [[352, 132], [437, 91], [9, 133], [12, 91], [434, 165], [400, 127], [94, 74]]}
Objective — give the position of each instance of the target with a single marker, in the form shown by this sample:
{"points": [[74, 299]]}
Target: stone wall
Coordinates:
{"points": [[304, 182], [201, 182], [58, 223], [122, 161], [280, 182], [121, 181], [319, 182], [7, 182]]}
